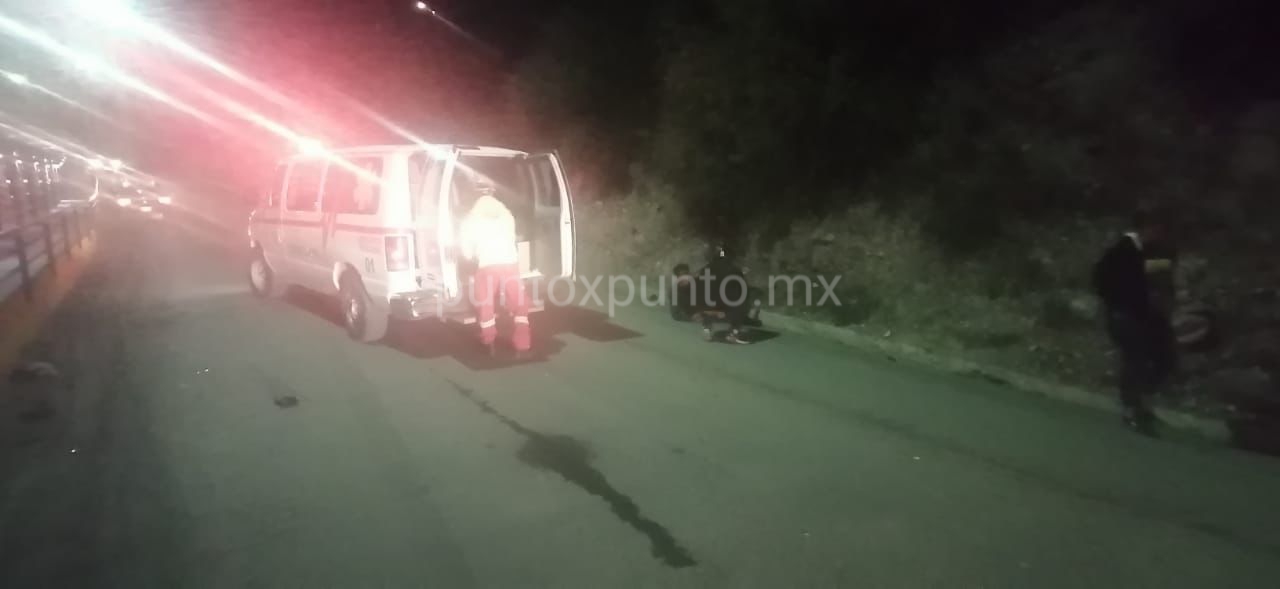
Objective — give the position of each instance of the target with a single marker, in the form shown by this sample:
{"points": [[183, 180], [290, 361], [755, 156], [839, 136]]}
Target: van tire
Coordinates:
{"points": [[263, 280], [363, 319]]}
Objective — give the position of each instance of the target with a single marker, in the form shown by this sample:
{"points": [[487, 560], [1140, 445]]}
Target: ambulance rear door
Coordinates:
{"points": [[556, 253]]}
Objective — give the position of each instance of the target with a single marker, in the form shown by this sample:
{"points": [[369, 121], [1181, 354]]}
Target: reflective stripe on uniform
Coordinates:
{"points": [[521, 319], [488, 324]]}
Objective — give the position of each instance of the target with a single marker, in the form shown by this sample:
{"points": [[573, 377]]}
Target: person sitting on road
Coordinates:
{"points": [[686, 306]]}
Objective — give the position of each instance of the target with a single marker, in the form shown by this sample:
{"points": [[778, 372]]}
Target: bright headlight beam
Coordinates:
{"points": [[435, 150], [120, 14], [45, 42], [138, 26], [115, 13], [93, 159], [157, 35], [301, 142], [44, 138], [25, 82]]}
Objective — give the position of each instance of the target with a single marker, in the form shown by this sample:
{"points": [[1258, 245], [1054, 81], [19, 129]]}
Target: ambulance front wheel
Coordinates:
{"points": [[263, 280], [365, 321]]}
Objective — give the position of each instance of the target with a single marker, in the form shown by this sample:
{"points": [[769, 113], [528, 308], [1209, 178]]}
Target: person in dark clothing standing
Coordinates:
{"points": [[1134, 279], [726, 287]]}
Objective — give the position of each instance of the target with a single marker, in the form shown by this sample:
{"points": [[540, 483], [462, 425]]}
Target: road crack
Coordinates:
{"points": [[571, 459]]}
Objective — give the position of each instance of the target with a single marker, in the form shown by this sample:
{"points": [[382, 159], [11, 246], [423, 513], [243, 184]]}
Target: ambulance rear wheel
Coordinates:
{"points": [[364, 320]]}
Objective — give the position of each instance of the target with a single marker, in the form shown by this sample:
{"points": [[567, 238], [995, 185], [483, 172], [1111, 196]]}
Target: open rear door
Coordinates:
{"points": [[426, 186], [555, 245], [448, 217]]}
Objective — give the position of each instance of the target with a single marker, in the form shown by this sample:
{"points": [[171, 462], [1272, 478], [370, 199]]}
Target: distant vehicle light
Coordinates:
{"points": [[124, 202], [165, 200]]}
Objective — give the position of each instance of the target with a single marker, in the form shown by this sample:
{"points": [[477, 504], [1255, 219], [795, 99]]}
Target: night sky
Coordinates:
{"points": [[433, 80]]}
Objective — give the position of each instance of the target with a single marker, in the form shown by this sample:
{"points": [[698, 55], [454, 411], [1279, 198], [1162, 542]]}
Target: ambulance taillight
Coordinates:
{"points": [[399, 253]]}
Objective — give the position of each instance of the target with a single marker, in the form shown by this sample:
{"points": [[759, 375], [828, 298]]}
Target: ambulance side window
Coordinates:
{"points": [[353, 189], [275, 187], [424, 184], [304, 187]]}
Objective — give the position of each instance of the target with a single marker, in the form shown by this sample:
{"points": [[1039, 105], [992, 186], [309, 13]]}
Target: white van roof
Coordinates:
{"points": [[483, 150]]}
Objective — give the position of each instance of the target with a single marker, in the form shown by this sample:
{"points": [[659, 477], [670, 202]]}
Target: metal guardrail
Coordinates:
{"points": [[30, 244]]}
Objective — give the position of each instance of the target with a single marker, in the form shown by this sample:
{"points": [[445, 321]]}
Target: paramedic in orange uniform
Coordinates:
{"points": [[488, 238]]}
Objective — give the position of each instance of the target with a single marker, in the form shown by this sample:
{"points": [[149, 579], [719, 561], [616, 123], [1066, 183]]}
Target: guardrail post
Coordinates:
{"points": [[50, 254]]}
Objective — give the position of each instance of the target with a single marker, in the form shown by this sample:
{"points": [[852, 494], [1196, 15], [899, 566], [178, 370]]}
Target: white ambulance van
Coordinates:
{"points": [[377, 225]]}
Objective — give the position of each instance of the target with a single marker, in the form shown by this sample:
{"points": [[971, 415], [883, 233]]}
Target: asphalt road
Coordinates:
{"points": [[199, 437]]}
